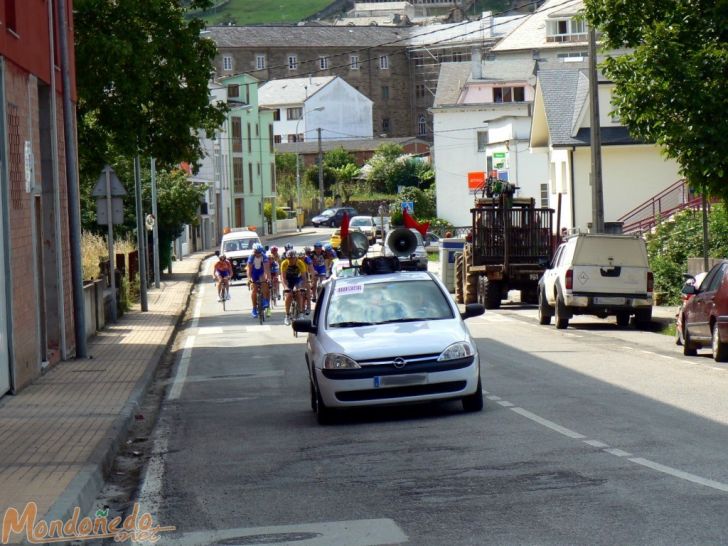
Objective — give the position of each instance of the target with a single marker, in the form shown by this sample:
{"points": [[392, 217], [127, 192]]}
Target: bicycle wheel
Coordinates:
{"points": [[259, 303], [294, 313], [224, 297]]}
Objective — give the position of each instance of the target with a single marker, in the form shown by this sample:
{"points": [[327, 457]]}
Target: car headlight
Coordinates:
{"points": [[334, 361], [235, 262], [461, 349]]}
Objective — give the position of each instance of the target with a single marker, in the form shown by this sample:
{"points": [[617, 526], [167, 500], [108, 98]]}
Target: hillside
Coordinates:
{"points": [[257, 12]]}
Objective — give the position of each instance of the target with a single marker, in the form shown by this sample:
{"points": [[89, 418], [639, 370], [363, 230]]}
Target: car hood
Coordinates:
{"points": [[239, 254], [396, 339]]}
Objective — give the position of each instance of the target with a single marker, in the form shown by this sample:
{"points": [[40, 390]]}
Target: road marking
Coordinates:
{"points": [[493, 397], [149, 494], [506, 404], [617, 452], [366, 532], [236, 377], [549, 424], [572, 335], [680, 474], [208, 330], [596, 443], [184, 365], [258, 328]]}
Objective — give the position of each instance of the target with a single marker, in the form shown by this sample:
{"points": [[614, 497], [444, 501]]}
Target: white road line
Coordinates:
{"points": [[572, 335], [184, 365], [506, 404], [596, 443], [617, 452], [493, 397], [150, 491], [680, 474], [365, 532], [209, 330], [549, 424]]}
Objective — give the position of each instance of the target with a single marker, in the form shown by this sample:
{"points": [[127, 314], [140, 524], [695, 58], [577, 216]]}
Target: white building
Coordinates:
{"points": [[481, 126], [303, 105]]}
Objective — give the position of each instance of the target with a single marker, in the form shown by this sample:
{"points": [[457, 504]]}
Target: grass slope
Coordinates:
{"points": [[256, 12]]}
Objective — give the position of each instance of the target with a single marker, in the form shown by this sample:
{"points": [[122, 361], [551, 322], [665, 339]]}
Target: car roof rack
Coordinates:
{"points": [[380, 265]]}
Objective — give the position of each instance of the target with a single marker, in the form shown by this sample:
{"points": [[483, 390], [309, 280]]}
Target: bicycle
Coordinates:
{"points": [[259, 300], [275, 291], [225, 293]]}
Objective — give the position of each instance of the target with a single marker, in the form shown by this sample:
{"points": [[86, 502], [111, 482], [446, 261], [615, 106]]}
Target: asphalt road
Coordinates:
{"points": [[592, 435]]}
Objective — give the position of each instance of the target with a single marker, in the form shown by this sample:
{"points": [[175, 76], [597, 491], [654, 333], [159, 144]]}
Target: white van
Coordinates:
{"points": [[595, 274], [238, 245]]}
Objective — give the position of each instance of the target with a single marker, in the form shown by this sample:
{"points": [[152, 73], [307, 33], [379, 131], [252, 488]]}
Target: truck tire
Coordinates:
{"points": [[470, 281], [489, 293], [545, 311], [623, 319], [459, 278], [562, 313]]}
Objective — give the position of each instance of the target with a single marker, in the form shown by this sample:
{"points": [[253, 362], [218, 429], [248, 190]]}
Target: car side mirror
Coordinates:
{"points": [[473, 310], [689, 289], [304, 325]]}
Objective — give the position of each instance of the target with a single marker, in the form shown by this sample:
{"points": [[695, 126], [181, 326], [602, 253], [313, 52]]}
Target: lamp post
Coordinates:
{"points": [[298, 172]]}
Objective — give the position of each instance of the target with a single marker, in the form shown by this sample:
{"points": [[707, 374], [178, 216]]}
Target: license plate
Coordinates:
{"points": [[534, 276], [400, 380], [609, 301]]}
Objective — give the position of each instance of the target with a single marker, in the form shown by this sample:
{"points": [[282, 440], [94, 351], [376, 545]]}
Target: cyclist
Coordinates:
{"points": [[258, 271], [293, 275], [320, 267], [275, 267], [307, 278], [331, 255], [222, 272]]}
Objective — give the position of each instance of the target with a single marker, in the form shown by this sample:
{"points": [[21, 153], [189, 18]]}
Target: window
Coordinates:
{"points": [[421, 125], [509, 94], [277, 139], [384, 62], [227, 63], [544, 196], [294, 113], [238, 175], [250, 177], [237, 134], [270, 136], [573, 56], [277, 114], [354, 65], [258, 168], [291, 138], [565, 30], [385, 125], [273, 177], [292, 62], [10, 15], [250, 140], [324, 63], [482, 140], [420, 90], [385, 92], [233, 91], [260, 62]]}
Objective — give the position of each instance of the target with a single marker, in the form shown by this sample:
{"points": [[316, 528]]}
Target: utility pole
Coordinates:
{"points": [[321, 169], [155, 229], [596, 139], [141, 235], [704, 198]]}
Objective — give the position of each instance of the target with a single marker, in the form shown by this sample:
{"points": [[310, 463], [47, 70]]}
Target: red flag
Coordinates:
{"points": [[344, 227], [410, 222]]}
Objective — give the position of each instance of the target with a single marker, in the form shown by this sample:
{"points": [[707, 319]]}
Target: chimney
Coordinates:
{"points": [[476, 62]]}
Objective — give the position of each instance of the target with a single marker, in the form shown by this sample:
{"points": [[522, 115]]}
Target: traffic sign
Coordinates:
{"points": [[409, 206]]}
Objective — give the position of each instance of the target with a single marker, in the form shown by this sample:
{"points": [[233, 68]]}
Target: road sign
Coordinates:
{"points": [[117, 188], [409, 206], [117, 211]]}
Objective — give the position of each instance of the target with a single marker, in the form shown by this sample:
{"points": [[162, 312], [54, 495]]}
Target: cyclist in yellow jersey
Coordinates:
{"points": [[293, 274]]}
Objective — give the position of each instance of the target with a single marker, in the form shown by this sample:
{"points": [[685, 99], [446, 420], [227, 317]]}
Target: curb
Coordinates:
{"points": [[277, 237], [85, 487]]}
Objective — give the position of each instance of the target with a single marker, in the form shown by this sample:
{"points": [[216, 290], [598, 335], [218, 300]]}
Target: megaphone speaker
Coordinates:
{"points": [[358, 245], [402, 242]]}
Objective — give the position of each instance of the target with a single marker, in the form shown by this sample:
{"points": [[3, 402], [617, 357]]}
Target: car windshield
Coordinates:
{"points": [[240, 244], [328, 212], [363, 304], [358, 222]]}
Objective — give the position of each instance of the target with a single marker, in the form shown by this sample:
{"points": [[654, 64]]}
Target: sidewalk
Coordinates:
{"points": [[59, 436]]}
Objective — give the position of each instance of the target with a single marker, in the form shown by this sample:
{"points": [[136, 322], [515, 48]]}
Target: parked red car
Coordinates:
{"points": [[705, 314], [696, 281]]}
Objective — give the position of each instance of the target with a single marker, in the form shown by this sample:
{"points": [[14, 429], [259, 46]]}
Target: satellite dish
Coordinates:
{"points": [[402, 242], [358, 245]]}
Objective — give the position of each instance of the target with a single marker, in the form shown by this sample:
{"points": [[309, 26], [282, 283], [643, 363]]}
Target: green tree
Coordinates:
{"points": [[347, 183], [383, 168], [286, 178], [142, 77], [338, 157], [671, 88]]}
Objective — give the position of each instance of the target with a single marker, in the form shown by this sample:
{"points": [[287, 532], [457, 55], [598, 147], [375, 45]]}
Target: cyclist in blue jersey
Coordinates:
{"points": [[258, 271], [319, 266]]}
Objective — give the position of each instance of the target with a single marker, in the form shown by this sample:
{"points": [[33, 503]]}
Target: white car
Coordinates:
{"points": [[366, 225], [597, 274], [237, 246], [389, 337]]}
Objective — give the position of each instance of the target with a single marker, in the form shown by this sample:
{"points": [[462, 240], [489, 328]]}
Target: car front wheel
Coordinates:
{"points": [[324, 414], [474, 402]]}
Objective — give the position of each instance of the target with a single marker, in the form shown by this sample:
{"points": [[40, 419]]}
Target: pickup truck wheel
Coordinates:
{"points": [[720, 349], [562, 314], [622, 319], [459, 278], [545, 312]]}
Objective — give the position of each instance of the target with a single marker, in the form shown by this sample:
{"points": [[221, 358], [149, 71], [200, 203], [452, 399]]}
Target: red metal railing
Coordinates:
{"points": [[674, 198]]}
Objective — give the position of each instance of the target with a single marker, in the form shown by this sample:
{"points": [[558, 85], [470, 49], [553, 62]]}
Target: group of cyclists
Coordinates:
{"points": [[300, 273]]}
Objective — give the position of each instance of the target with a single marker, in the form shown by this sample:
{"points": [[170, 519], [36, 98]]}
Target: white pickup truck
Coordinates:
{"points": [[598, 275]]}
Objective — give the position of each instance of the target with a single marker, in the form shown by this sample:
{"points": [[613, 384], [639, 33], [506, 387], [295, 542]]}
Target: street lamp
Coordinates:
{"points": [[298, 172]]}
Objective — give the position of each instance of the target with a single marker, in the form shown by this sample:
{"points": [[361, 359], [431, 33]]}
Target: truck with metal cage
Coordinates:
{"points": [[509, 247]]}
